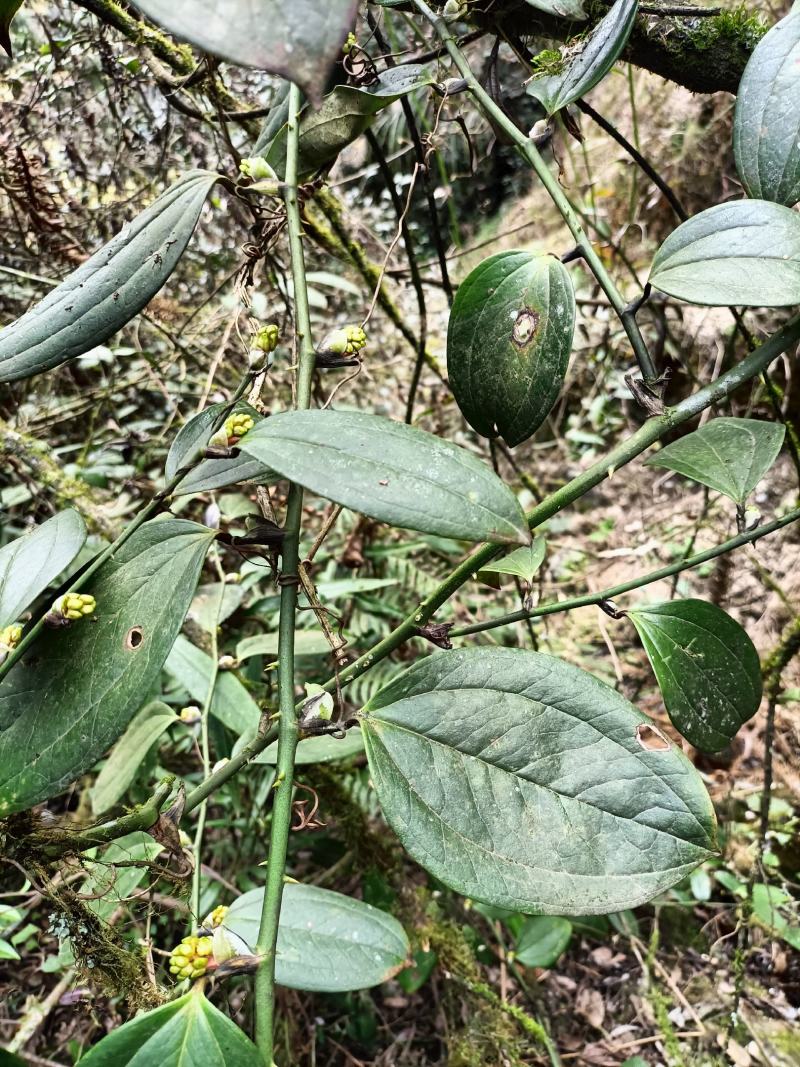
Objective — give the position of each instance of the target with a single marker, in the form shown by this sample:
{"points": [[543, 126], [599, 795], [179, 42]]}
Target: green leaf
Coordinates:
{"points": [[327, 943], [745, 253], [187, 1032], [523, 562], [707, 669], [726, 454], [206, 609], [508, 343], [343, 116], [318, 749], [391, 472], [109, 289], [306, 643], [700, 884], [300, 40], [568, 9], [231, 704], [31, 562], [766, 130], [211, 474], [522, 781], [7, 951], [79, 686], [584, 69], [128, 753], [8, 9], [542, 940]]}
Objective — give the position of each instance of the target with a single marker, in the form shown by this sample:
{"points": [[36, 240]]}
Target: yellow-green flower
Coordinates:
{"points": [[347, 341], [237, 425], [190, 958], [349, 44], [216, 917], [74, 606], [10, 637], [266, 338]]}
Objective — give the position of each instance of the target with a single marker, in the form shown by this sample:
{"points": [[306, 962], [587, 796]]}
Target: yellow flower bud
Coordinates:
{"points": [[349, 44], [237, 425], [266, 339], [190, 958], [191, 715], [74, 606], [216, 917], [10, 637], [347, 341]]}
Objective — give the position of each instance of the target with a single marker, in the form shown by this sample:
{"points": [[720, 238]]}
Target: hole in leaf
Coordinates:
{"points": [[134, 638], [525, 326], [650, 738]]}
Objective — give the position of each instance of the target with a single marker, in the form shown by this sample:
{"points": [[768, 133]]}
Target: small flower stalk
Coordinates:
{"points": [[70, 608]]}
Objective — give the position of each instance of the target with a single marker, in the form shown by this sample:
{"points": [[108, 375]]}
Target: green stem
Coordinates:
{"points": [[530, 153], [636, 583], [288, 726]]}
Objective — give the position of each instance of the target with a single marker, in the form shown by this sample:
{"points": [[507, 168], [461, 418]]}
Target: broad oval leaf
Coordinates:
{"points": [[31, 562], [707, 669], [109, 289], [211, 474], [187, 1032], [8, 9], [128, 753], [766, 130], [745, 253], [300, 40], [391, 472], [343, 116], [727, 454], [568, 9], [508, 343], [588, 66], [327, 943], [78, 687], [231, 703], [522, 781], [542, 940]]}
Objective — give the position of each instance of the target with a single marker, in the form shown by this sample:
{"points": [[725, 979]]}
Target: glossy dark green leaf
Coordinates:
{"points": [[542, 940], [523, 562], [727, 454], [589, 62], [31, 562], [745, 253], [212, 474], [109, 289], [568, 9], [231, 703], [128, 753], [300, 40], [766, 130], [187, 1032], [8, 9], [508, 343], [522, 781], [707, 668], [79, 686], [327, 943], [391, 472], [343, 116]]}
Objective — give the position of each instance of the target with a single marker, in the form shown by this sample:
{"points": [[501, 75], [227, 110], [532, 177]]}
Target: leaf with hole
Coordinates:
{"points": [[766, 129], [508, 343], [31, 562], [726, 454], [542, 940], [128, 753], [523, 562], [745, 253], [187, 1032], [327, 943], [75, 691], [520, 780], [300, 40], [343, 116], [589, 62], [110, 288], [707, 669], [391, 472], [231, 703]]}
